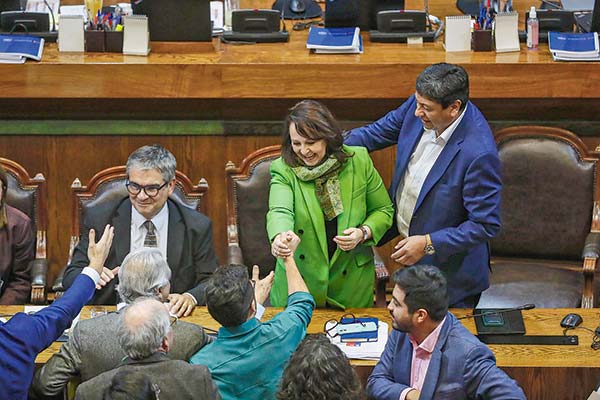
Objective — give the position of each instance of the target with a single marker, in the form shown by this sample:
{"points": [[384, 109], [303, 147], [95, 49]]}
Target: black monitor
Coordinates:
{"points": [[588, 21], [372, 7], [12, 5], [176, 20]]}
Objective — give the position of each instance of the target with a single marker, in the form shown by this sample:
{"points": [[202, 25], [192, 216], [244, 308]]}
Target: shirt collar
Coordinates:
{"points": [[239, 330], [159, 219], [445, 136], [430, 341]]}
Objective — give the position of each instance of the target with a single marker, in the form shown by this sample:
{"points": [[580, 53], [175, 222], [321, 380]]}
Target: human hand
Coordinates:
{"points": [[284, 244], [106, 276], [98, 252], [353, 237], [409, 250], [262, 287], [413, 395], [181, 305]]}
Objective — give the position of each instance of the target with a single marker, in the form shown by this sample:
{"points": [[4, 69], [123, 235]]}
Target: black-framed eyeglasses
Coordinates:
{"points": [[173, 320], [150, 190]]}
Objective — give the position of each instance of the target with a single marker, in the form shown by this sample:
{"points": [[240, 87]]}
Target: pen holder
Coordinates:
{"points": [[481, 40], [94, 40], [114, 41]]}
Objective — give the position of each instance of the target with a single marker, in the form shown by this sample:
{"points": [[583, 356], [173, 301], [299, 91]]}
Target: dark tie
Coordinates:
{"points": [[150, 239]]}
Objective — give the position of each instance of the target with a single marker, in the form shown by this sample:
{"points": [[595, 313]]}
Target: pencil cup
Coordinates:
{"points": [[481, 40], [114, 41], [94, 40]]}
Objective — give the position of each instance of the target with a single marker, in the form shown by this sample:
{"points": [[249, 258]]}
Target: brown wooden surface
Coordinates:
{"points": [[545, 372], [288, 70]]}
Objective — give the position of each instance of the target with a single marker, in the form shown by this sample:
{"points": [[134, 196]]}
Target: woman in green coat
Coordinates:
{"points": [[333, 199]]}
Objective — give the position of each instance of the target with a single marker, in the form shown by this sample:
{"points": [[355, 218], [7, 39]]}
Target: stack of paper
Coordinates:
{"points": [[574, 46], [334, 40], [15, 49], [364, 350]]}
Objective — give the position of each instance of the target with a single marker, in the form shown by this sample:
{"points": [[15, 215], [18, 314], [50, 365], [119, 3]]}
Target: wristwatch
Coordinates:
{"points": [[365, 233], [429, 249]]}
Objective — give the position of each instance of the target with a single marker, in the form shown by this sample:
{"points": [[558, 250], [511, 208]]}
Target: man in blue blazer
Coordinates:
{"points": [[24, 336], [446, 185], [431, 355]]}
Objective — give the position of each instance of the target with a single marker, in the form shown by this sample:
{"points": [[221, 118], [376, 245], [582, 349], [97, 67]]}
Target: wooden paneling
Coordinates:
{"points": [[63, 158]]}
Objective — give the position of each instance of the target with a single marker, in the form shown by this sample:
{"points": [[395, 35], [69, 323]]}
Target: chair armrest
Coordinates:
{"points": [[591, 248], [57, 286], [234, 254], [382, 277], [39, 271]]}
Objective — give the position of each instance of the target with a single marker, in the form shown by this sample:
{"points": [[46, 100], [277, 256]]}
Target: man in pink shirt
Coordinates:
{"points": [[430, 354]]}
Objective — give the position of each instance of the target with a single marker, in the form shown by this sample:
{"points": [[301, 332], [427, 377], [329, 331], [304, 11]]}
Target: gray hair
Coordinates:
{"points": [[444, 83], [142, 273], [153, 156], [142, 328]]}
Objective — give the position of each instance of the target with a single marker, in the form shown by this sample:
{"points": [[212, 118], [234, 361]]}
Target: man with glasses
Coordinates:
{"points": [[149, 218], [145, 334]]}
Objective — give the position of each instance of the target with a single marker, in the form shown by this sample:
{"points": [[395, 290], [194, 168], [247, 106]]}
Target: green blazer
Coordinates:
{"points": [[347, 279]]}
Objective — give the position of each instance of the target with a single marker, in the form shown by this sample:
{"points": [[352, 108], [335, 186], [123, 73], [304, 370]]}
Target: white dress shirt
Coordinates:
{"points": [[161, 228], [420, 164]]}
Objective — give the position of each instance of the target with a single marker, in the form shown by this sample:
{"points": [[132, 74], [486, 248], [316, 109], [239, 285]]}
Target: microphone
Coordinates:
{"points": [[523, 307]]}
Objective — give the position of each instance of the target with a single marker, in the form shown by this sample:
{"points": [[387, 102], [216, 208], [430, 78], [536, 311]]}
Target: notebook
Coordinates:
{"points": [[366, 336], [458, 33], [506, 32]]}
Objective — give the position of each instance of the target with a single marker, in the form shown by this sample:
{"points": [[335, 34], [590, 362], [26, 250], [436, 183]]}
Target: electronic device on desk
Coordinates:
{"points": [[15, 21], [550, 21], [297, 9], [370, 9], [588, 21], [256, 26], [176, 21], [396, 26]]}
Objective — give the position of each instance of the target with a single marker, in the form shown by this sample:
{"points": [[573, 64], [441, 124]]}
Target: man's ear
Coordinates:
{"points": [[172, 186], [455, 108], [166, 344]]}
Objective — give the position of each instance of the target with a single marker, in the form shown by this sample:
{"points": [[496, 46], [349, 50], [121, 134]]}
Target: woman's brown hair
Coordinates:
{"points": [[313, 121]]}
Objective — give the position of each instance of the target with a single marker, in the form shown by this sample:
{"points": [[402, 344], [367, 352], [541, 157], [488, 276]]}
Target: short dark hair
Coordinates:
{"points": [[313, 121], [229, 294], [319, 370], [424, 286], [444, 83], [128, 384]]}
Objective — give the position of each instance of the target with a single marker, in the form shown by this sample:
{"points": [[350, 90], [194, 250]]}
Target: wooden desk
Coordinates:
{"points": [[544, 372]]}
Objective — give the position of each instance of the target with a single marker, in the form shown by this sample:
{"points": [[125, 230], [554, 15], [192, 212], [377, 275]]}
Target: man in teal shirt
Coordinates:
{"points": [[248, 357]]}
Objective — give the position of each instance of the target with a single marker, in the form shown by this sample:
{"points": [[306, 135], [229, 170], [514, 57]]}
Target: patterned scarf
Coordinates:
{"points": [[327, 185]]}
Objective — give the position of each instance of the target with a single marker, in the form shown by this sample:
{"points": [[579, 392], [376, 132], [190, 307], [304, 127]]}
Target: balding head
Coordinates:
{"points": [[145, 328], [144, 273]]}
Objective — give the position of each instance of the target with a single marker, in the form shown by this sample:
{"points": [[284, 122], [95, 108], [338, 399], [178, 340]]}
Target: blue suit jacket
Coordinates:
{"points": [[24, 336], [459, 203], [461, 367]]}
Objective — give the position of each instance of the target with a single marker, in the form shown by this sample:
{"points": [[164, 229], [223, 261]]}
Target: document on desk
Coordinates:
{"points": [[364, 350], [506, 32]]}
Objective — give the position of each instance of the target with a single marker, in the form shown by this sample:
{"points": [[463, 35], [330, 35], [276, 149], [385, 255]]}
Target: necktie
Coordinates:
{"points": [[150, 239]]}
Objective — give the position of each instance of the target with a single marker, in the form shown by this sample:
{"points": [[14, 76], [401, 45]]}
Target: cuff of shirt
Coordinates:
{"points": [[405, 393], [192, 297], [92, 273], [260, 310]]}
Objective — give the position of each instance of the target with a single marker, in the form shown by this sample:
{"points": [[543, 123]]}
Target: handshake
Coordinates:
{"points": [[285, 244]]}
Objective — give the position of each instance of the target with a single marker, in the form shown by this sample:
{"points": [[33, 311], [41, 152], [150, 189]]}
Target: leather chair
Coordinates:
{"points": [[547, 250], [109, 185], [29, 195], [247, 207]]}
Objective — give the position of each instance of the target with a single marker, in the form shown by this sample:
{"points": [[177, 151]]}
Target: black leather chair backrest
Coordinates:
{"points": [[252, 205], [24, 199], [547, 199]]}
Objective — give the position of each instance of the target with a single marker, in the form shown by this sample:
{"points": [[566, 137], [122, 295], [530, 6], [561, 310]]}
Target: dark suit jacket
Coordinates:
{"points": [[461, 367], [17, 250], [24, 336], [459, 203], [93, 348], [176, 379], [190, 250]]}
